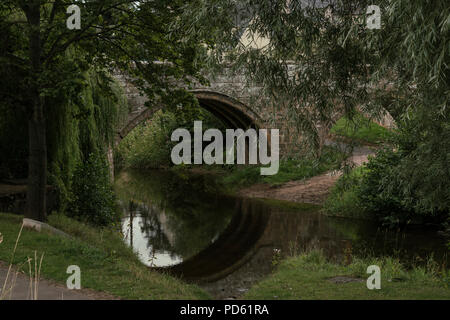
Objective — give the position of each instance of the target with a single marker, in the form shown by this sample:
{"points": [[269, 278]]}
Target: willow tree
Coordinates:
{"points": [[112, 35], [345, 64]]}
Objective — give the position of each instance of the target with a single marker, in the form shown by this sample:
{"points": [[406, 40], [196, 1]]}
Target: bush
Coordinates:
{"points": [[410, 184], [344, 198], [93, 198], [385, 189], [390, 190], [379, 193]]}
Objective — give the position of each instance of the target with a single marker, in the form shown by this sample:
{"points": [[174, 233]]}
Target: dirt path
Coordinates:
{"points": [[47, 290], [314, 190]]}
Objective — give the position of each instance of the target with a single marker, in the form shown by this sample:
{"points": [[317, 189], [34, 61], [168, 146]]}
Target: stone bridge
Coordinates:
{"points": [[230, 99]]}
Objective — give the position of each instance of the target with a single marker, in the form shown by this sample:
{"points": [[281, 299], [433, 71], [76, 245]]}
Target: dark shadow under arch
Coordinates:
{"points": [[232, 112]]}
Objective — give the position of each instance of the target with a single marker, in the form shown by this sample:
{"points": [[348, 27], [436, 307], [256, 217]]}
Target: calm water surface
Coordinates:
{"points": [[182, 223]]}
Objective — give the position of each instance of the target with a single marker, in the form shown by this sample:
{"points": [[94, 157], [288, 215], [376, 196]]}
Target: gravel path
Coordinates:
{"points": [[314, 190], [47, 290]]}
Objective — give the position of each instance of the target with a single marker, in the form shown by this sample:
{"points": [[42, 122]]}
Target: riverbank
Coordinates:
{"points": [[302, 178], [311, 276], [107, 264], [110, 270], [311, 189]]}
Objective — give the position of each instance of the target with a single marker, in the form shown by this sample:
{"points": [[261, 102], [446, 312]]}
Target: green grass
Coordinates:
{"points": [[307, 277], [106, 263], [289, 170], [361, 130]]}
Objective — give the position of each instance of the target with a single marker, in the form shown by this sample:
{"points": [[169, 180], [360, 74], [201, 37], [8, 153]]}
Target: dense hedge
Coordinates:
{"points": [[408, 184]]}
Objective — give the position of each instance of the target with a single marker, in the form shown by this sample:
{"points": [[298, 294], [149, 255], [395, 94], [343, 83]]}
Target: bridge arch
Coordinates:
{"points": [[232, 112]]}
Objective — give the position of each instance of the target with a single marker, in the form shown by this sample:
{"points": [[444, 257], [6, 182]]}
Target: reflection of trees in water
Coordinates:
{"points": [[150, 226], [179, 214], [152, 229], [182, 215]]}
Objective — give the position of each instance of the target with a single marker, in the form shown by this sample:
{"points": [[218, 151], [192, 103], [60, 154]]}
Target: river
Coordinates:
{"points": [[183, 223]]}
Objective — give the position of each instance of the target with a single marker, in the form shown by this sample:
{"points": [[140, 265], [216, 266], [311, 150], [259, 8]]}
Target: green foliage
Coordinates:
{"points": [[424, 164], [130, 36], [342, 66], [131, 32], [344, 199], [360, 129], [149, 144], [290, 169], [413, 182], [376, 191], [394, 198], [80, 126], [93, 196], [100, 108], [394, 187], [332, 60], [76, 126], [81, 118]]}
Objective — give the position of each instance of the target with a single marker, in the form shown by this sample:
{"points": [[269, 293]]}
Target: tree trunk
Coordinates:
{"points": [[37, 161], [37, 168]]}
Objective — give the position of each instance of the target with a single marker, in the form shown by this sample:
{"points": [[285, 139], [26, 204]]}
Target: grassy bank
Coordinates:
{"points": [[310, 276], [106, 263], [289, 170], [361, 130]]}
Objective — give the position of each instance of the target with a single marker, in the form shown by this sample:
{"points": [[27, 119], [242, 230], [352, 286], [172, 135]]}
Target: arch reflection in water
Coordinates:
{"points": [[233, 248], [169, 218], [181, 223]]}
